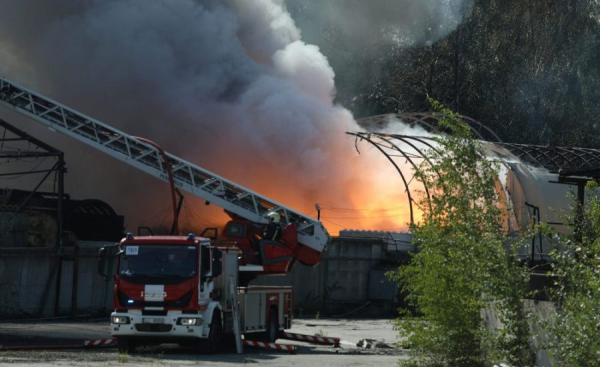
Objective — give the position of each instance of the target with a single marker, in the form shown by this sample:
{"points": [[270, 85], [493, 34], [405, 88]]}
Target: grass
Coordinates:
{"points": [[123, 357]]}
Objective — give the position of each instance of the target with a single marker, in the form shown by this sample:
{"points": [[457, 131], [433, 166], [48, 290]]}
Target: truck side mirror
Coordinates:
{"points": [[210, 232], [217, 265], [106, 260]]}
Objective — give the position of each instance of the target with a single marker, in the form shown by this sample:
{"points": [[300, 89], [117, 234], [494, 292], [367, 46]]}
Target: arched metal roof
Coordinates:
{"points": [[428, 121], [563, 161]]}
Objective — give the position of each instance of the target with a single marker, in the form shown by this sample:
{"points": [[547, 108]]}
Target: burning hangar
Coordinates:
{"points": [[61, 268], [535, 180]]}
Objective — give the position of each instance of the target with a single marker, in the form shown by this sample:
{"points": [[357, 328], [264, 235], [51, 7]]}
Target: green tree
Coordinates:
{"points": [[525, 68], [463, 265], [575, 328]]}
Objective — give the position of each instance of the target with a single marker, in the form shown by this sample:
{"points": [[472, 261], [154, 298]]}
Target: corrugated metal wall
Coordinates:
{"points": [[351, 277], [28, 282]]}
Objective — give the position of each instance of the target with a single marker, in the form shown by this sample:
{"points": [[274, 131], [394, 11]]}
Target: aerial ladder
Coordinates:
{"points": [[302, 238]]}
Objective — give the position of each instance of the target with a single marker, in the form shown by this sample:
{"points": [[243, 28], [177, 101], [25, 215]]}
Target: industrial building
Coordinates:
{"points": [[48, 241]]}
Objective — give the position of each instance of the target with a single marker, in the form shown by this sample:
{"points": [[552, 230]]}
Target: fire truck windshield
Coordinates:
{"points": [[158, 261]]}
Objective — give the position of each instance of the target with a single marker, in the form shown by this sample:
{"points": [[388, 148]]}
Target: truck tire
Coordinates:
{"points": [[212, 344], [272, 333], [125, 345]]}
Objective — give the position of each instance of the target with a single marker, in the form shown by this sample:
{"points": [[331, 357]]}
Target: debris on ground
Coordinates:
{"points": [[373, 344]]}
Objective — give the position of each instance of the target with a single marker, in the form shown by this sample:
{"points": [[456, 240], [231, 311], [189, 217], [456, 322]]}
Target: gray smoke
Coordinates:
{"points": [[226, 84], [403, 23]]}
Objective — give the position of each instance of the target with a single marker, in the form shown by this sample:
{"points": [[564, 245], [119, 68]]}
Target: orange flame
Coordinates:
{"points": [[364, 192]]}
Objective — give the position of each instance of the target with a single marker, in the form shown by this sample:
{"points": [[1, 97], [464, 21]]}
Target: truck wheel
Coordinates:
{"points": [[213, 342], [125, 345], [272, 328], [228, 342]]}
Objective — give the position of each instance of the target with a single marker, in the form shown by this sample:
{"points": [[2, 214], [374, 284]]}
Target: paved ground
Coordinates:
{"points": [[350, 332]]}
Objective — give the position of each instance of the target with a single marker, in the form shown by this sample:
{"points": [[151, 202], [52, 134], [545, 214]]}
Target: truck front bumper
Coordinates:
{"points": [[170, 326]]}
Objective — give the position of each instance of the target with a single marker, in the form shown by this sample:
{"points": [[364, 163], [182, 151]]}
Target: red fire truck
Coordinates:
{"points": [[188, 289], [183, 290]]}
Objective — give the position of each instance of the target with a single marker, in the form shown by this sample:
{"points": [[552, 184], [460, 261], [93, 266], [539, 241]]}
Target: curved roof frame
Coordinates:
{"points": [[556, 159], [429, 121], [367, 137], [383, 143], [560, 160]]}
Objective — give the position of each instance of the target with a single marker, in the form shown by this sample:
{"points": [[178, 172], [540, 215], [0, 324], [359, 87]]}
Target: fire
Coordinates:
{"points": [[364, 190], [231, 87], [377, 198]]}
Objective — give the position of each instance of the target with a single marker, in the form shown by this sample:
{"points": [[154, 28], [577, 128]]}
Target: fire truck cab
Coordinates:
{"points": [[177, 289]]}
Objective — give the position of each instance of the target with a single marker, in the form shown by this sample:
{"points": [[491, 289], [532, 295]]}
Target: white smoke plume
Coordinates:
{"points": [[404, 23], [227, 84]]}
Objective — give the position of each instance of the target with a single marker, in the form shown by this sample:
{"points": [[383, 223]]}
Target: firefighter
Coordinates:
{"points": [[273, 230]]}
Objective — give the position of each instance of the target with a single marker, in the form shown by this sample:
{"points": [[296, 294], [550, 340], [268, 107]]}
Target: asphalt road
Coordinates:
{"points": [[73, 333]]}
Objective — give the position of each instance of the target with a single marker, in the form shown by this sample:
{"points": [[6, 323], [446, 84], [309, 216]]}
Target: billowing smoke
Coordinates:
{"points": [[226, 84], [404, 23]]}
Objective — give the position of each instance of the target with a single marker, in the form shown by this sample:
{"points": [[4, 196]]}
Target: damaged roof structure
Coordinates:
{"points": [[535, 180]]}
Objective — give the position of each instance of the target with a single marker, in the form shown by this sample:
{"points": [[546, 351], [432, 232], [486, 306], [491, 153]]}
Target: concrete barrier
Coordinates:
{"points": [[38, 282]]}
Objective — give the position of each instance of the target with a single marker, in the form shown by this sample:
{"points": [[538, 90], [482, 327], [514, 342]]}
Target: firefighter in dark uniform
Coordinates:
{"points": [[273, 230]]}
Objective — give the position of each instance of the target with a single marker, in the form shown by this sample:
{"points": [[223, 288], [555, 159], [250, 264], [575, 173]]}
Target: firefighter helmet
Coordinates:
{"points": [[274, 217]]}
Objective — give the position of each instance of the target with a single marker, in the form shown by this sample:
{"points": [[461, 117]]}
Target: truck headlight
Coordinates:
{"points": [[189, 321], [120, 320]]}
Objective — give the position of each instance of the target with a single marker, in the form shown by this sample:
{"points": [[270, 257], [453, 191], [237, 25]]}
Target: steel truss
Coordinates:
{"points": [[229, 195], [40, 150], [581, 162]]}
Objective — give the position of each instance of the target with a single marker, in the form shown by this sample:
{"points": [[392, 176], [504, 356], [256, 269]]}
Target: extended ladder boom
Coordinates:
{"points": [[189, 177]]}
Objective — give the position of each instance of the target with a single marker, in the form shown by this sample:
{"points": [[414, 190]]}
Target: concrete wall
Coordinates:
{"points": [[22, 282], [94, 293], [540, 310], [351, 277], [28, 282]]}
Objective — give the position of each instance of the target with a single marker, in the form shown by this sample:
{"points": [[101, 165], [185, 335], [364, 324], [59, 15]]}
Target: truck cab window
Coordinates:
{"points": [[158, 263], [205, 260]]}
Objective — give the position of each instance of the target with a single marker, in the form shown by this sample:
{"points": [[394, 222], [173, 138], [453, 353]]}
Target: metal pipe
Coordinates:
{"points": [[175, 228], [75, 280], [58, 279], [59, 201], [579, 213]]}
